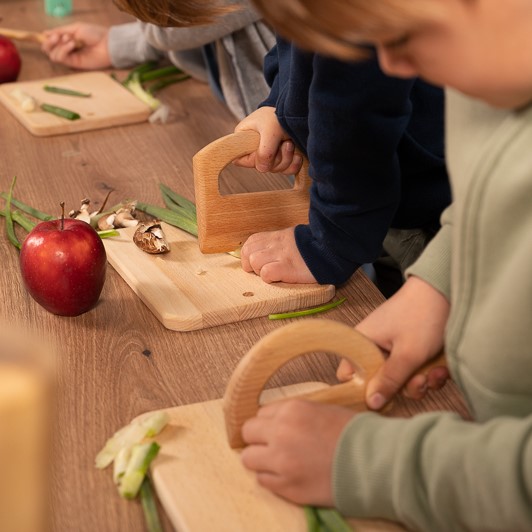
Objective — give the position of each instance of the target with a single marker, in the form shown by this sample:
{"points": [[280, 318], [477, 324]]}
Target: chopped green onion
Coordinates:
{"points": [[147, 499], [60, 111], [10, 229], [144, 426], [108, 233], [307, 312], [67, 92], [142, 455]]}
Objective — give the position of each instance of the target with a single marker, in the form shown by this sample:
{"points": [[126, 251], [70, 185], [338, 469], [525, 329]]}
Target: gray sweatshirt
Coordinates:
{"points": [[436, 472], [229, 53]]}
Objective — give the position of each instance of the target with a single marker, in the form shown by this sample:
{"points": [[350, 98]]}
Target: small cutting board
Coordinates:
{"points": [[187, 290], [110, 104], [200, 479]]}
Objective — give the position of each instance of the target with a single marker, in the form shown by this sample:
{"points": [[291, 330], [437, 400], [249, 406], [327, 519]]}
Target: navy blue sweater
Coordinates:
{"points": [[375, 148]]}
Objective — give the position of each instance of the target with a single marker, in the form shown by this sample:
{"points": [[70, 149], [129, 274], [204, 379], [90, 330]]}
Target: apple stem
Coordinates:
{"points": [[62, 215]]}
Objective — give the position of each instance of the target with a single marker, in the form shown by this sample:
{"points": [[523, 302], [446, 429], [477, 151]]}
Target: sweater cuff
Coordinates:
{"points": [[327, 268], [127, 46], [434, 264], [363, 469]]}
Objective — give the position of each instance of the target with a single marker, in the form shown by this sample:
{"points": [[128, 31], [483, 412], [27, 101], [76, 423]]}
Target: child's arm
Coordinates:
{"points": [[61, 42]]}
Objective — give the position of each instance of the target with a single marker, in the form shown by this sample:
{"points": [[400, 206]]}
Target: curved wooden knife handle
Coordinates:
{"points": [[225, 221], [241, 399], [213, 158]]}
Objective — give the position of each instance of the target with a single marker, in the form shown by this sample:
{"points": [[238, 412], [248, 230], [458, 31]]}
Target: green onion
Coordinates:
{"points": [[67, 92], [307, 312], [313, 523], [60, 111], [135, 86], [141, 69], [147, 499], [107, 233], [170, 217], [142, 455], [178, 199], [10, 229], [332, 520], [24, 222], [159, 73], [161, 84], [29, 210]]}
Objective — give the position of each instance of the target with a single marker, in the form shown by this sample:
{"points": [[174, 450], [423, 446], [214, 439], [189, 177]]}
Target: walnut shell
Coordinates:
{"points": [[150, 238]]}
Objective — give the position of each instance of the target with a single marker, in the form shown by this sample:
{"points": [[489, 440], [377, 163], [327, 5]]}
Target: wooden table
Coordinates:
{"points": [[117, 360]]}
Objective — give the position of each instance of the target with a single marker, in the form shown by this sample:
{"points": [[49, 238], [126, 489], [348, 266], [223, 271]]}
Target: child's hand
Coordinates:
{"points": [[62, 45], [274, 256], [276, 152], [410, 327], [291, 448]]}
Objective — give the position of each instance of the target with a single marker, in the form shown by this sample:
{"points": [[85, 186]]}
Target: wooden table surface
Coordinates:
{"points": [[117, 360]]}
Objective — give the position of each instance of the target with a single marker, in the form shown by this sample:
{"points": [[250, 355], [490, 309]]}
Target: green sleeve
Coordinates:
{"points": [[436, 472], [434, 264]]}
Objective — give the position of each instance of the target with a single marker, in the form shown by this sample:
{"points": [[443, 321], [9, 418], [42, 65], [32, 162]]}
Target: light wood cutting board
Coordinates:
{"points": [[110, 104], [187, 290], [199, 478]]}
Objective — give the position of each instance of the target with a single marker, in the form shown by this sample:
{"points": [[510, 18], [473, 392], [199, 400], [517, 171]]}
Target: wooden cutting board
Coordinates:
{"points": [[187, 290], [110, 104], [199, 478]]}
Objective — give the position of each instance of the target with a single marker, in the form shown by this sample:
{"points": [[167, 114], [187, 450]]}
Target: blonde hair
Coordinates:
{"points": [[332, 26], [175, 13]]}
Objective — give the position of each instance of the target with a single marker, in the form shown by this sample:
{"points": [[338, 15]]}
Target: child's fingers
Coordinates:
{"points": [[345, 370], [388, 381]]}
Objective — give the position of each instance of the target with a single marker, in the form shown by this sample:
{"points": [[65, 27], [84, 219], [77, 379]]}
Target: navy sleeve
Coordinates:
{"points": [[271, 71]]}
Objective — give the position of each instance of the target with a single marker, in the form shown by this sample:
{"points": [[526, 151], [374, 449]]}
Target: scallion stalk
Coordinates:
{"points": [[332, 520], [149, 506], [307, 312], [60, 111], [159, 73], [163, 83], [170, 217], [140, 69], [66, 92], [10, 229], [141, 457], [28, 209]]}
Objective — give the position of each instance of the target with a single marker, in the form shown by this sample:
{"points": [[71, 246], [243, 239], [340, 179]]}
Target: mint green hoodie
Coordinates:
{"points": [[436, 471]]}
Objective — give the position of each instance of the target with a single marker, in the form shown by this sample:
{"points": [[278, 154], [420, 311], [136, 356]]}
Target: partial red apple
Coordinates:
{"points": [[63, 266], [9, 61]]}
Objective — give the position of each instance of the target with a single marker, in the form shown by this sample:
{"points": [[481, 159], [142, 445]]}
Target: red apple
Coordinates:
{"points": [[9, 61], [63, 266]]}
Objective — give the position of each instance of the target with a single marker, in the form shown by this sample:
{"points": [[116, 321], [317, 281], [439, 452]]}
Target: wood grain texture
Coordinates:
{"points": [[110, 104], [226, 221], [118, 360], [187, 290]]}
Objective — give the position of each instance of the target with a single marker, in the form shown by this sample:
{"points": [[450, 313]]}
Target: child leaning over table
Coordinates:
{"points": [[228, 53], [472, 287], [375, 148]]}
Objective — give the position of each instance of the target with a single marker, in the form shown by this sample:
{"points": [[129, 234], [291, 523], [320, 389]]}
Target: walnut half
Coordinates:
{"points": [[149, 237]]}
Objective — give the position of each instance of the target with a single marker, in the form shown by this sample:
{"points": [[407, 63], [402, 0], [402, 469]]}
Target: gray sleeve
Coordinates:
{"points": [[437, 472], [128, 46]]}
